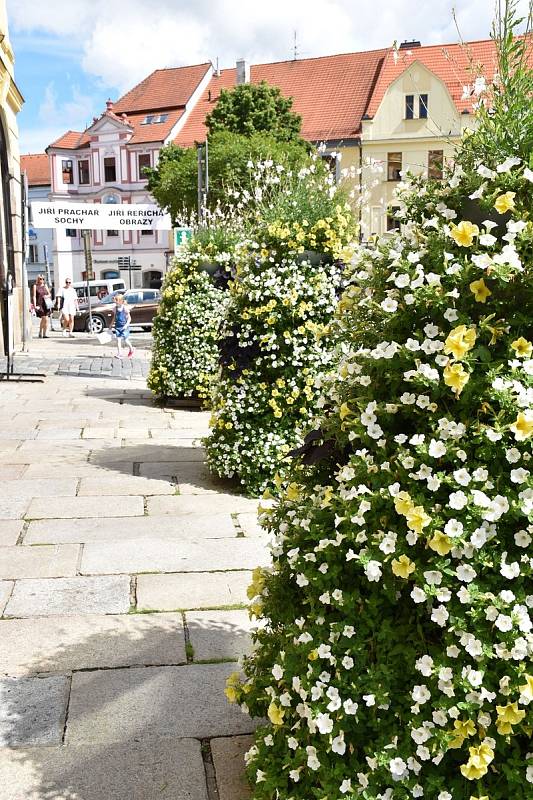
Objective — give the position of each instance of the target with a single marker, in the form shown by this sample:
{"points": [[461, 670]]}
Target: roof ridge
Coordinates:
{"points": [[314, 58], [160, 69]]}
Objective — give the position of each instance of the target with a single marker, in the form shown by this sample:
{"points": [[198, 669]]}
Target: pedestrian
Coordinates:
{"points": [[120, 324], [42, 304], [67, 300]]}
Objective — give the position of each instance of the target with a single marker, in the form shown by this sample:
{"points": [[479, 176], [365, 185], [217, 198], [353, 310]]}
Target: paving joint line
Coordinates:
{"points": [[67, 707], [133, 591], [189, 650], [22, 534], [79, 559], [209, 769]]}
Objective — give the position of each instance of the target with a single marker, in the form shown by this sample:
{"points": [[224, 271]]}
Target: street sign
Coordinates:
{"points": [[181, 235], [94, 216]]}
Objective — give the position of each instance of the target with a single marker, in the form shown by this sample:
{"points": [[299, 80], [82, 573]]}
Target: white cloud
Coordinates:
{"points": [[55, 117], [121, 41]]}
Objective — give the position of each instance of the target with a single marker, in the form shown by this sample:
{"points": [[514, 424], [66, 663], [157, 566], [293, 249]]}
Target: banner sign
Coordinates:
{"points": [[98, 216]]}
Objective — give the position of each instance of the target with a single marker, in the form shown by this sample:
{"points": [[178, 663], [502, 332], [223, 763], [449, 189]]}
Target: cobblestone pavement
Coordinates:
{"points": [[123, 574]]}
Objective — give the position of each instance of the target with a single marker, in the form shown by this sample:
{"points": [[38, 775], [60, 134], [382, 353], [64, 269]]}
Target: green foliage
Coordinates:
{"points": [[252, 108], [174, 182]]}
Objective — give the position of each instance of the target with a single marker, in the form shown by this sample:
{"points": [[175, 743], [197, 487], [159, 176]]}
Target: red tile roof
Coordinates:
{"points": [[71, 140], [164, 88], [330, 93], [455, 64], [156, 131], [36, 167]]}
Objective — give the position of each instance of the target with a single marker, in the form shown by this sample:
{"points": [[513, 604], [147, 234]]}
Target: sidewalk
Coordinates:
{"points": [[123, 575]]}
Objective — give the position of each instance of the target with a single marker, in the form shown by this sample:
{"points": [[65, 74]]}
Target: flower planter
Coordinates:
{"points": [[208, 266]]}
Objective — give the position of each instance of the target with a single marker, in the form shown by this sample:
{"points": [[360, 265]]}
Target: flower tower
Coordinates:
{"points": [[393, 658]]}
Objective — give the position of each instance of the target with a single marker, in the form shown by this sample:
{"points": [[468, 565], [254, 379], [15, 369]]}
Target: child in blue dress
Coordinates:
{"points": [[121, 325]]}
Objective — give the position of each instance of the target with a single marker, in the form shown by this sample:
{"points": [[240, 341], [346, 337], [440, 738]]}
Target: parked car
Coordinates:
{"points": [[143, 303], [98, 289]]}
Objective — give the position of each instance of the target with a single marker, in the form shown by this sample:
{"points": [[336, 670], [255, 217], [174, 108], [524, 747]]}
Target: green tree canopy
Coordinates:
{"points": [[174, 182], [255, 108]]}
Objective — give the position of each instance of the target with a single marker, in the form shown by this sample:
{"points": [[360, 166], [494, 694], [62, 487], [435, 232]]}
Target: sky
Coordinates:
{"points": [[72, 56]]}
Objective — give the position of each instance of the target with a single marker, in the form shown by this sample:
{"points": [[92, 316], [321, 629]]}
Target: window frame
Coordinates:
{"points": [[392, 223], [409, 109], [81, 162], [139, 168], [423, 105], [108, 166], [33, 254], [432, 154], [391, 169], [67, 170], [71, 233]]}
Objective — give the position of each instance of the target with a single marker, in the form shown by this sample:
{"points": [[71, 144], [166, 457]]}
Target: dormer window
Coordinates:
{"points": [[422, 106], [409, 106], [154, 119]]}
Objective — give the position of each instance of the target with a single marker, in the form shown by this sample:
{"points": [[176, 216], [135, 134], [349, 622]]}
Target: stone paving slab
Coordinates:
{"points": [[192, 504], [63, 644], [228, 760], [58, 434], [250, 525], [192, 590], [147, 452], [11, 434], [160, 470], [13, 508], [32, 710], [79, 468], [124, 704], [78, 507], [10, 530], [99, 432], [164, 768], [43, 487], [11, 472], [47, 561], [5, 591], [107, 529], [103, 594], [110, 484], [218, 634], [157, 555], [195, 478]]}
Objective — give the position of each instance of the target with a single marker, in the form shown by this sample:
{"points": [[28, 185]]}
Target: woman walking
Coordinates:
{"points": [[42, 304], [69, 306]]}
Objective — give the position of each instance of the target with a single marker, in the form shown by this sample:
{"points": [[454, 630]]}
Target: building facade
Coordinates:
{"points": [[11, 102], [105, 164], [40, 253]]}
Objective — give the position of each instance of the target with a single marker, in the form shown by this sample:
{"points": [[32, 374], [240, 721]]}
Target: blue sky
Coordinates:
{"points": [[70, 57]]}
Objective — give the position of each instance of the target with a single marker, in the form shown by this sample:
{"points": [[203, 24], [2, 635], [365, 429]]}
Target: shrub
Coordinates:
{"points": [[393, 657]]}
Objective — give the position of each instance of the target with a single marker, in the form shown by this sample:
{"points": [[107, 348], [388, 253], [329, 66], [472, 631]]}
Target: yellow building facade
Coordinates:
{"points": [[11, 102]]}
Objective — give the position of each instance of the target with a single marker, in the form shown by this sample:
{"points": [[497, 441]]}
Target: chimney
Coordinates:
{"points": [[410, 45], [109, 104], [243, 72]]}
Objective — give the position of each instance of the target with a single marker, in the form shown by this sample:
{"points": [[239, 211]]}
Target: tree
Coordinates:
{"points": [[254, 108], [174, 182]]}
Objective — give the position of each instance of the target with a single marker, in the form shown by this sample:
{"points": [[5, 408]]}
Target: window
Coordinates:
{"points": [[112, 233], [423, 106], [149, 296], [83, 172], [153, 119], [71, 232], [132, 297], [34, 254], [148, 232], [394, 166], [144, 161], [110, 172], [435, 164], [393, 224], [409, 106], [68, 172]]}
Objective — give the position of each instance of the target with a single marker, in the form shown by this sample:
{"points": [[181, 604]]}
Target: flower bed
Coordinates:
{"points": [[185, 330], [393, 657], [272, 345]]}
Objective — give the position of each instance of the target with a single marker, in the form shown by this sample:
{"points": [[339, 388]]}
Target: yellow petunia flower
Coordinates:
{"points": [[522, 427], [440, 543], [402, 567], [510, 714], [403, 503], [417, 519], [463, 234], [485, 797], [522, 347], [459, 341], [462, 730], [477, 764], [293, 491], [456, 377], [505, 202], [275, 714], [232, 685], [527, 688], [345, 411], [480, 290]]}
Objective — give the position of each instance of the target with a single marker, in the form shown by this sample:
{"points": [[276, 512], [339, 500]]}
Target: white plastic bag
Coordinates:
{"points": [[104, 337]]}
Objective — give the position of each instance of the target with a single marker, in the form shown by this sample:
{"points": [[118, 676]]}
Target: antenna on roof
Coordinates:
{"points": [[295, 52], [216, 68]]}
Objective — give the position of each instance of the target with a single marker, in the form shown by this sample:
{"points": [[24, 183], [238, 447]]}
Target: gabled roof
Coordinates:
{"points": [[36, 166], [456, 65], [154, 132], [164, 88], [330, 93]]}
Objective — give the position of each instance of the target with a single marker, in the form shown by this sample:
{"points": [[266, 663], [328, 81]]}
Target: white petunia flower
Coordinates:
{"points": [[440, 615], [436, 449], [462, 477]]}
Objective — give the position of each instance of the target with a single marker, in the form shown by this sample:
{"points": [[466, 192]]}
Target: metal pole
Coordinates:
{"points": [[47, 265], [88, 272], [129, 270], [206, 187], [200, 186]]}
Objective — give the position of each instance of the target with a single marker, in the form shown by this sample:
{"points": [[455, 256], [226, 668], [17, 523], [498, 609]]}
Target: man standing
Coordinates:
{"points": [[67, 300]]}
